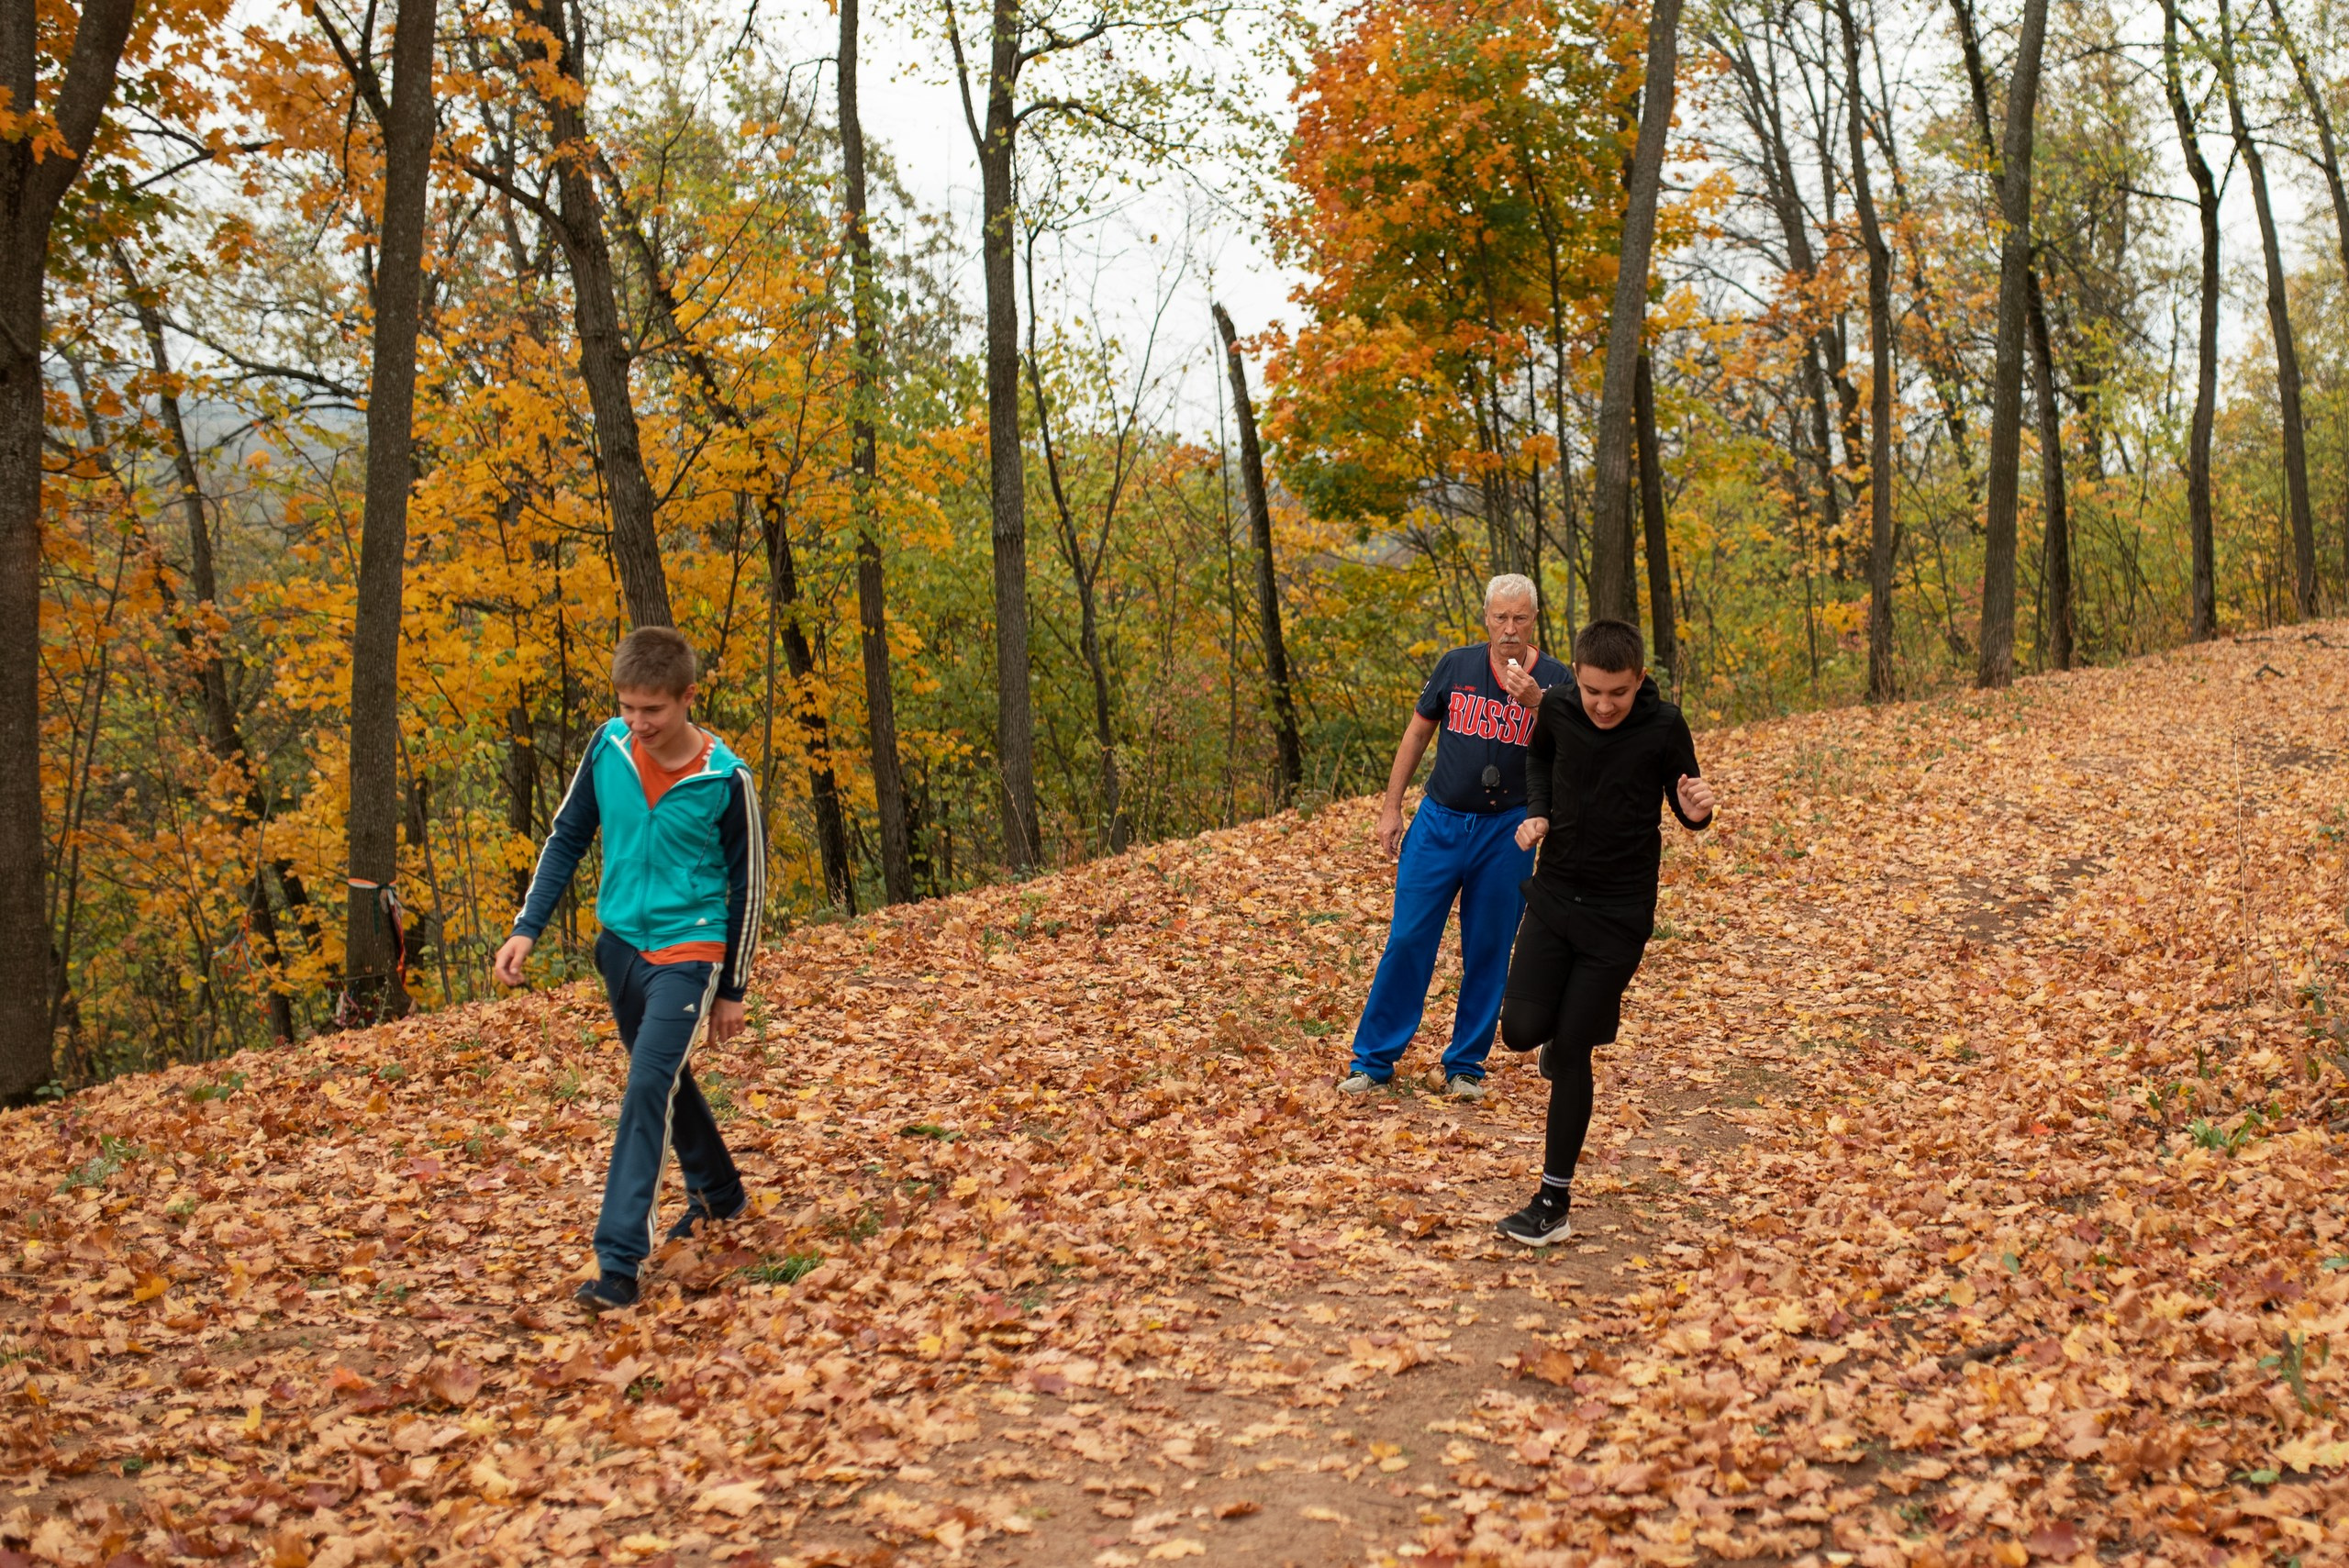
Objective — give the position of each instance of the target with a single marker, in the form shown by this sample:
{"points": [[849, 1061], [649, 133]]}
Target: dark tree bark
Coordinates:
{"points": [[30, 189], [372, 953], [1006, 472], [2203, 611], [1552, 242], [2328, 159], [1883, 543], [2328, 148], [1997, 666], [995, 136], [864, 466], [518, 770], [2279, 325], [1535, 508], [1084, 568], [785, 607], [604, 354], [1823, 359], [1084, 562], [1941, 366], [1612, 588], [1268, 596], [207, 664], [2055, 549], [824, 791], [1665, 646]]}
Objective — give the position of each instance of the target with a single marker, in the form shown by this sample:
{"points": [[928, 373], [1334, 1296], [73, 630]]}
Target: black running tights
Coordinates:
{"points": [[1567, 984]]}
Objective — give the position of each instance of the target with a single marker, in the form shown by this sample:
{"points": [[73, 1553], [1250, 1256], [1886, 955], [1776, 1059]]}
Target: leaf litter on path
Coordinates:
{"points": [[1967, 1186]]}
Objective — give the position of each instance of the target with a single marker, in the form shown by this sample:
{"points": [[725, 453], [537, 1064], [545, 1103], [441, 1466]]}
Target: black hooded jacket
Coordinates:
{"points": [[1599, 789]]}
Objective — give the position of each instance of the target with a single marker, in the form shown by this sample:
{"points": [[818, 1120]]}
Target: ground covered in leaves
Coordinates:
{"points": [[1969, 1186]]}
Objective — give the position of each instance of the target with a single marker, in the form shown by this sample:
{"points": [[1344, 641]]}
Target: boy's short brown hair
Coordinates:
{"points": [[653, 659], [1613, 646]]}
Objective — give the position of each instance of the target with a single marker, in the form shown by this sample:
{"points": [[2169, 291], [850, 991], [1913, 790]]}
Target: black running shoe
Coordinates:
{"points": [[1539, 1223], [697, 1214], [612, 1293], [1543, 1060]]}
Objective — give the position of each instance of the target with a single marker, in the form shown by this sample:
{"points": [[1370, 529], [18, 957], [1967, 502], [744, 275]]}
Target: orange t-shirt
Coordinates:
{"points": [[656, 779]]}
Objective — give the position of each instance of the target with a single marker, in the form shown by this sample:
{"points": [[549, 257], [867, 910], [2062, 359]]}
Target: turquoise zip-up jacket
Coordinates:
{"points": [[691, 869]]}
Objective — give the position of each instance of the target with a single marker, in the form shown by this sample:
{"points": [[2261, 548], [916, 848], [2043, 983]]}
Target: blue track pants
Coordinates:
{"points": [[1447, 854], [660, 1008]]}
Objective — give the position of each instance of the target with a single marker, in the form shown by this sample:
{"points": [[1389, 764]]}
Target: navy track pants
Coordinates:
{"points": [[661, 1009]]}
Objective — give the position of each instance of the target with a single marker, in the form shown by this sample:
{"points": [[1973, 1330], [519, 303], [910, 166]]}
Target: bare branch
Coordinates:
{"points": [[363, 72], [962, 75]]}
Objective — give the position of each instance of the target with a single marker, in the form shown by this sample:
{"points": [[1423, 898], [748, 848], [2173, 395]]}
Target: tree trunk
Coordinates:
{"points": [[2279, 324], [1268, 597], [2203, 611], [2327, 145], [783, 572], [1569, 548], [1823, 360], [371, 959], [1007, 474], [1941, 364], [1535, 508], [1551, 243], [206, 663], [1883, 682], [864, 465], [1612, 591], [1665, 650], [1997, 666], [31, 188], [1110, 837], [520, 772], [2055, 573], [823, 784], [2329, 161], [604, 355]]}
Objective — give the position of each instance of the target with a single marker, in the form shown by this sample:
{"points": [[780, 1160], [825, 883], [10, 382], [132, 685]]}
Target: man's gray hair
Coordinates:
{"points": [[1508, 586]]}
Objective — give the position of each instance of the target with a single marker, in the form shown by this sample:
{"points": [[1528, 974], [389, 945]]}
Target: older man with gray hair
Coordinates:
{"points": [[1462, 844]]}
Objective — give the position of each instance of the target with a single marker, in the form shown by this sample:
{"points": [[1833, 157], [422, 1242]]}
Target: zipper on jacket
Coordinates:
{"points": [[652, 811]]}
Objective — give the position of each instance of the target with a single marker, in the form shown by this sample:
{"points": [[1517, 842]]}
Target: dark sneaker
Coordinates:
{"points": [[612, 1293], [1539, 1223], [1543, 1060], [697, 1214]]}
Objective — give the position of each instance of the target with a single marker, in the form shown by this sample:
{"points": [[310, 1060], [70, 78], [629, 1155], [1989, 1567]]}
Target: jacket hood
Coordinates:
{"points": [[722, 762]]}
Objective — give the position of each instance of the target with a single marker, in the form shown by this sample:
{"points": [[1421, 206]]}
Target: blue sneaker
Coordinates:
{"points": [[612, 1293], [697, 1214]]}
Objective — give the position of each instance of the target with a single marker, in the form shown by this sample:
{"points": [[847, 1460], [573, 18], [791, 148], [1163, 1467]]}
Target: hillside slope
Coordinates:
{"points": [[1969, 1184]]}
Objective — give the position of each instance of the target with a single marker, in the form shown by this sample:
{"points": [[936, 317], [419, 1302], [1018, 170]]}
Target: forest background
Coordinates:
{"points": [[686, 347]]}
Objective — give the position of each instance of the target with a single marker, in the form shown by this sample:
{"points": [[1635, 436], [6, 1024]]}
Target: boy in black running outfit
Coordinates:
{"points": [[1605, 749]]}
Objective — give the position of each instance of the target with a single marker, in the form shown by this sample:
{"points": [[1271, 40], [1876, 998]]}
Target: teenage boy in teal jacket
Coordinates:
{"points": [[683, 885]]}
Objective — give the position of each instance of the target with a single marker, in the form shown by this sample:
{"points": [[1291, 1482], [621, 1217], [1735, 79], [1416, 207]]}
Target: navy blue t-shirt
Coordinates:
{"points": [[1482, 727]]}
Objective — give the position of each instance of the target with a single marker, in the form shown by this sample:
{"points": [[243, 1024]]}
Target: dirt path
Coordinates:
{"points": [[1316, 1470]]}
